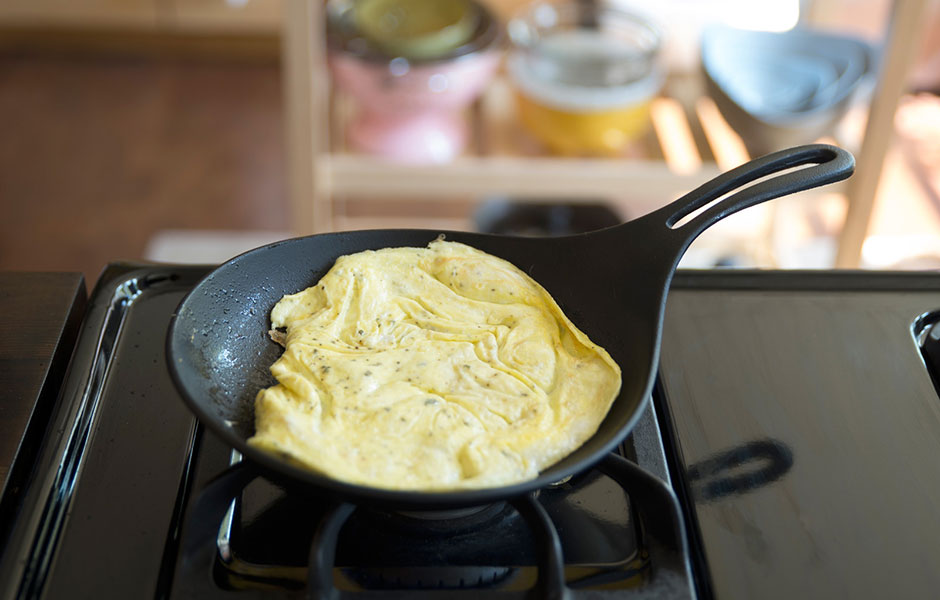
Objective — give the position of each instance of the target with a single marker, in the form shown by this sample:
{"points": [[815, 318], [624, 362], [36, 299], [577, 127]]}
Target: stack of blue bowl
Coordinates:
{"points": [[782, 89]]}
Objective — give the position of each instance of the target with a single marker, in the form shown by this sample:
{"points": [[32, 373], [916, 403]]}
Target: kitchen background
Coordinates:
{"points": [[190, 130]]}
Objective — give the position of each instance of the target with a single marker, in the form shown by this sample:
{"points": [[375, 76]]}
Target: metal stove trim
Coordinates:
{"points": [[60, 461]]}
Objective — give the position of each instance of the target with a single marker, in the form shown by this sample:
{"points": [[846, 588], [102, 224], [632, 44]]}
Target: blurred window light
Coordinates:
{"points": [[767, 15], [725, 143], [675, 136], [682, 22], [772, 15]]}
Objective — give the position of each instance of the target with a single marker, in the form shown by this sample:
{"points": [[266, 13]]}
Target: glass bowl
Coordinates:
{"points": [[584, 75]]}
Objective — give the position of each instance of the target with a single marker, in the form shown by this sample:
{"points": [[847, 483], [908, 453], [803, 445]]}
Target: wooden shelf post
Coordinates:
{"points": [[900, 50]]}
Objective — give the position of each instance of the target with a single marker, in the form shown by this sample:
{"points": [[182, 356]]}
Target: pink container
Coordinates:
{"points": [[411, 110], [412, 113]]}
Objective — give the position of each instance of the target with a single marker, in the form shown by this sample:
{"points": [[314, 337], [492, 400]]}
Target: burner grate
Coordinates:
{"points": [[360, 552]]}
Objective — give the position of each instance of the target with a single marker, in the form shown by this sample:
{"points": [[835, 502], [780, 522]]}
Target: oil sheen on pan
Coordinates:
{"points": [[436, 368]]}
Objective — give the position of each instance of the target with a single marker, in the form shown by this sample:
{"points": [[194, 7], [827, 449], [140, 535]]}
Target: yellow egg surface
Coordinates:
{"points": [[437, 368]]}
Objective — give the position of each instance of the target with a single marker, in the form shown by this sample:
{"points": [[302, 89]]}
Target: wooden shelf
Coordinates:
{"points": [[570, 179], [689, 144], [686, 145]]}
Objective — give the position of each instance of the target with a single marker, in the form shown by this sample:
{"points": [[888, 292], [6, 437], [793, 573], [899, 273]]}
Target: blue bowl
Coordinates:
{"points": [[782, 89]]}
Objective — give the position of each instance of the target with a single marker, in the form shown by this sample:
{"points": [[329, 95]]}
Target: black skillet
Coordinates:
{"points": [[612, 283]]}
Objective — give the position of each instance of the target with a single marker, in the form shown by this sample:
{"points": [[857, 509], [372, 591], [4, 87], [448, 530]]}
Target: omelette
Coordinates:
{"points": [[437, 368]]}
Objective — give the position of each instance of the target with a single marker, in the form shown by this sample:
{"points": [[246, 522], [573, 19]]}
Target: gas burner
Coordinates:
{"points": [[579, 534], [442, 522], [454, 578]]}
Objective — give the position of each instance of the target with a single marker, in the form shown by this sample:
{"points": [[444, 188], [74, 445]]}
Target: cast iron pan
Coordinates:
{"points": [[612, 283]]}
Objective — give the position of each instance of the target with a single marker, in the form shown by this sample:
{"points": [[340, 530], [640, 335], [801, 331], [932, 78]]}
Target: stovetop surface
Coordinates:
{"points": [[811, 393], [111, 521], [799, 423]]}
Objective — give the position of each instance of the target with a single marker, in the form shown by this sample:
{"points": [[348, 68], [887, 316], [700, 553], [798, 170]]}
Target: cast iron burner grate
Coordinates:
{"points": [[250, 538]]}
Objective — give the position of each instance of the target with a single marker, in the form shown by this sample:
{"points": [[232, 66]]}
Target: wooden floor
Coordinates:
{"points": [[96, 154]]}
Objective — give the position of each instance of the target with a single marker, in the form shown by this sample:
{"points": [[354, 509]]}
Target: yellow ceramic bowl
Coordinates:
{"points": [[573, 120], [601, 132], [584, 74]]}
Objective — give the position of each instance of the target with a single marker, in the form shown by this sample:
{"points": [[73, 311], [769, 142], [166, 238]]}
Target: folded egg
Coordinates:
{"points": [[434, 368]]}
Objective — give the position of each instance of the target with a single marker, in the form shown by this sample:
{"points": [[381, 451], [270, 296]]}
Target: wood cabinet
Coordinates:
{"points": [[194, 16], [71, 13], [250, 16]]}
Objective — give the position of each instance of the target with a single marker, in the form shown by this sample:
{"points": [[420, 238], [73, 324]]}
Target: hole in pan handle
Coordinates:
{"points": [[736, 189]]}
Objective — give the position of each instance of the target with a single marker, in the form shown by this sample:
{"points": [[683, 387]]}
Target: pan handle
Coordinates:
{"points": [[831, 164]]}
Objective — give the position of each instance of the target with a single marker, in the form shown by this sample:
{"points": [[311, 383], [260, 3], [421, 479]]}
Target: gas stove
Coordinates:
{"points": [[739, 481]]}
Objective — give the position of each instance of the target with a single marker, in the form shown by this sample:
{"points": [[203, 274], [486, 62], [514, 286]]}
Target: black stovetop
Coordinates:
{"points": [[794, 418], [126, 514]]}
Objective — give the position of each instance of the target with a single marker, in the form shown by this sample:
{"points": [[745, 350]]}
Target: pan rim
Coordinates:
{"points": [[292, 475]]}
